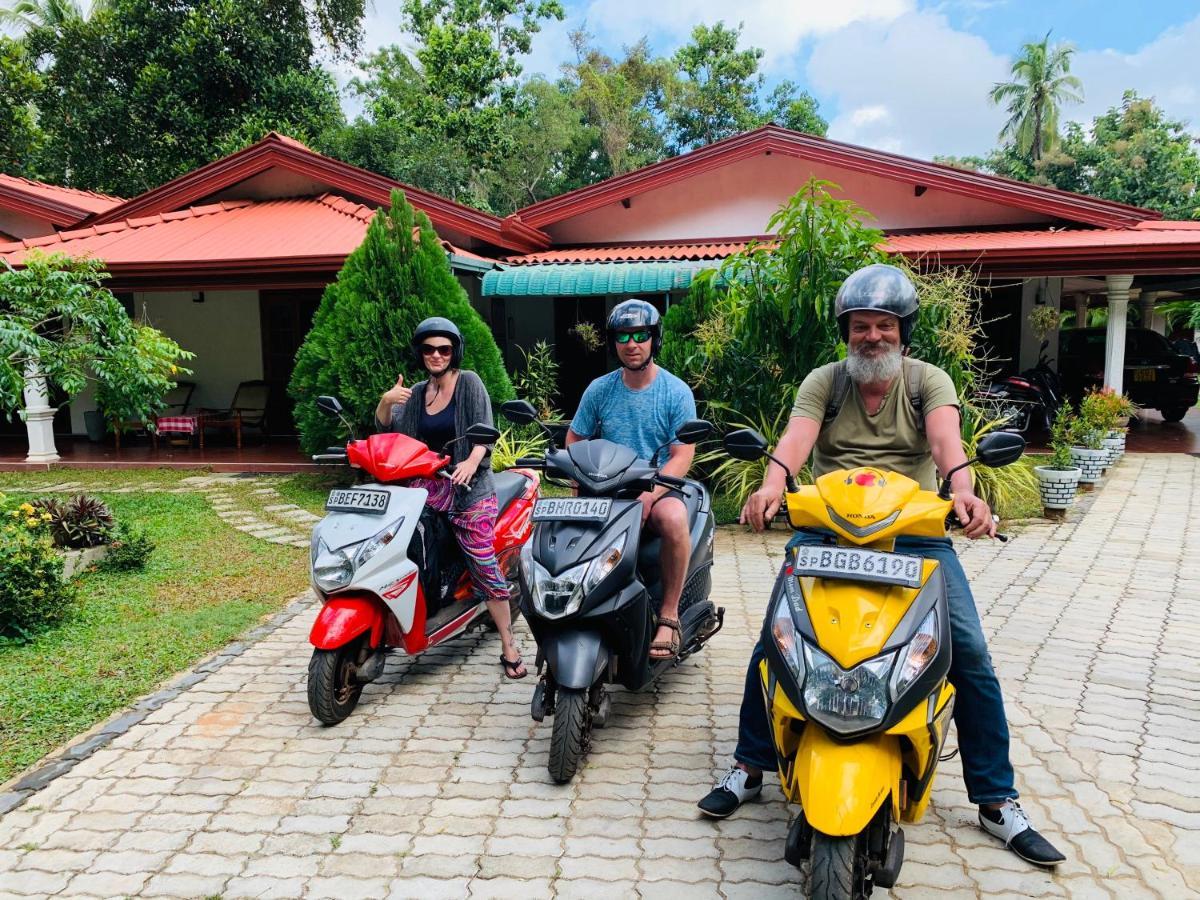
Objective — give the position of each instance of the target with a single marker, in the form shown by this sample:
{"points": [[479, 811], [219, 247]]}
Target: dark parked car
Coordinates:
{"points": [[1156, 376]]}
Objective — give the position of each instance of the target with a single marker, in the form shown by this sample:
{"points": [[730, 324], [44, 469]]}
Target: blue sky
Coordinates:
{"points": [[906, 75]]}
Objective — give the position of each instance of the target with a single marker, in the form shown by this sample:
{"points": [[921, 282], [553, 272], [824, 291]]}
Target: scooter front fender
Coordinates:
{"points": [[575, 658], [342, 619], [842, 786]]}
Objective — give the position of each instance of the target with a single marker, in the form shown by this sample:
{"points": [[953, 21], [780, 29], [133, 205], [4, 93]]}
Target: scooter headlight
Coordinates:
{"points": [[846, 701], [332, 569], [556, 596], [788, 640], [377, 543], [919, 653], [602, 565]]}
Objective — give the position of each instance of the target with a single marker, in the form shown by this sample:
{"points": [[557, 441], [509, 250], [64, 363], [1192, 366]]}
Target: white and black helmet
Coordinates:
{"points": [[878, 288], [437, 326]]}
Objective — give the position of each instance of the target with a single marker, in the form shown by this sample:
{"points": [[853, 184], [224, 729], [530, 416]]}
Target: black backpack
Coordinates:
{"points": [[840, 390]]}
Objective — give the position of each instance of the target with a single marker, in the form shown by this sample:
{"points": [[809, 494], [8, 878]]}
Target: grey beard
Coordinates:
{"points": [[864, 369]]}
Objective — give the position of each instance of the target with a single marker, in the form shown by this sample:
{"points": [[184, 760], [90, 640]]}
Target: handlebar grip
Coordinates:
{"points": [[322, 458], [670, 481], [530, 462]]}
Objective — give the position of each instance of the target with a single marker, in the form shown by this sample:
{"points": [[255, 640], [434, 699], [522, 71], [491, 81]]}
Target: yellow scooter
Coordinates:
{"points": [[857, 648]]}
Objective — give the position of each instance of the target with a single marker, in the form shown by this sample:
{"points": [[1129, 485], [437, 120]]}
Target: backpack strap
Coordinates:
{"points": [[914, 380], [838, 391]]}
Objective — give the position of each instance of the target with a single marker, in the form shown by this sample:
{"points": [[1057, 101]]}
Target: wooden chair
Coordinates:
{"points": [[247, 409], [176, 401]]}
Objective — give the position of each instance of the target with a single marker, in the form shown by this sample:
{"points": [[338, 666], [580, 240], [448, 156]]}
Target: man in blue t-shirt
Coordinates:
{"points": [[640, 406]]}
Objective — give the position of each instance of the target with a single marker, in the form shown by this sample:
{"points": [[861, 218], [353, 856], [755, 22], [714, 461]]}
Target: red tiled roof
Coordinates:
{"points": [[633, 253], [318, 232], [87, 200], [957, 242]]}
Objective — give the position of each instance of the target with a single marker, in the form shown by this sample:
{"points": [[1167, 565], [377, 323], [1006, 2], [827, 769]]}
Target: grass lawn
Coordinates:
{"points": [[203, 585]]}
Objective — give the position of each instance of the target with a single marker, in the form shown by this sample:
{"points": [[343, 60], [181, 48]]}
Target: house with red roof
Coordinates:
{"points": [[231, 259]]}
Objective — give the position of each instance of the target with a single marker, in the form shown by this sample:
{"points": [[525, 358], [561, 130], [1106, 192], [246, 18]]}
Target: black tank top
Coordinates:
{"points": [[438, 429]]}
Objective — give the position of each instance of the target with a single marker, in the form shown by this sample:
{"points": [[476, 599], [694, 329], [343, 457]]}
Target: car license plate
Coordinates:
{"points": [[1145, 374], [358, 501], [858, 564], [579, 509]]}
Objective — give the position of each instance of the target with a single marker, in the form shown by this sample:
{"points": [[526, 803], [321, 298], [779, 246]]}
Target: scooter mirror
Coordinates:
{"points": [[482, 434], [329, 405], [1000, 448], [693, 431], [745, 444], [519, 412]]}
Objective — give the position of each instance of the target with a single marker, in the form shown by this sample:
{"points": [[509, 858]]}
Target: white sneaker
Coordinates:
{"points": [[1011, 825], [734, 789]]}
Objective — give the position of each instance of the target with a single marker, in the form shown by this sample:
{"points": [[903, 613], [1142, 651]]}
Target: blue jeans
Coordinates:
{"points": [[978, 708]]}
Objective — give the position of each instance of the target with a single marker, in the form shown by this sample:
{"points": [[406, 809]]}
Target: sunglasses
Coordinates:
{"points": [[638, 337], [438, 350]]}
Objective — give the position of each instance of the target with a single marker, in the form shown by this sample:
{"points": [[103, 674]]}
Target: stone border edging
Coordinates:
{"points": [[15, 793]]}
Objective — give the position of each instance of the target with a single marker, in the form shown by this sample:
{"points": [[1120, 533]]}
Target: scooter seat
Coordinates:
{"points": [[509, 486]]}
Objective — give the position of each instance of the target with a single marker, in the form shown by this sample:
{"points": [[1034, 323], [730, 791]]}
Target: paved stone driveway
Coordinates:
{"points": [[437, 786]]}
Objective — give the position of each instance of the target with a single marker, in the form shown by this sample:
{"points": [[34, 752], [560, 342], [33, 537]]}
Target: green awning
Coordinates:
{"points": [[594, 279]]}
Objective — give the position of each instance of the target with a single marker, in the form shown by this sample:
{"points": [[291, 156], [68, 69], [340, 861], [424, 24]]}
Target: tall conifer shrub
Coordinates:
{"points": [[360, 338]]}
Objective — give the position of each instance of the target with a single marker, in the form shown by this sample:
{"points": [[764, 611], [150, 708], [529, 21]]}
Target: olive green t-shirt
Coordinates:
{"points": [[888, 440]]}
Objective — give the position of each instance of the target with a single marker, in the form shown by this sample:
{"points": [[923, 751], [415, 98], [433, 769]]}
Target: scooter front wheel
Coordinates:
{"points": [[838, 868], [568, 740], [333, 691]]}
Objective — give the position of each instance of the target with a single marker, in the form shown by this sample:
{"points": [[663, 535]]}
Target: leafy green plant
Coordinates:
{"points": [[33, 595], [1060, 439], [128, 551], [1004, 489], [513, 445], [588, 335], [538, 381], [1101, 409], [1042, 320], [361, 334], [737, 479], [1085, 435], [57, 320]]}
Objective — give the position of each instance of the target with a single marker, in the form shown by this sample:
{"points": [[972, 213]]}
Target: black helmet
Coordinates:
{"points": [[880, 288], [635, 313], [436, 326]]}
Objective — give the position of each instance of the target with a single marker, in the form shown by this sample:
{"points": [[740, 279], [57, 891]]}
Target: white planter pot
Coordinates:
{"points": [[1113, 447], [1057, 486], [1090, 463], [76, 561], [1119, 436]]}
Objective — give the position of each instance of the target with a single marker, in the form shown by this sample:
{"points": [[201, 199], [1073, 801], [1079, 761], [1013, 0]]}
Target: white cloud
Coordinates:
{"points": [[914, 86], [779, 28], [1167, 69]]}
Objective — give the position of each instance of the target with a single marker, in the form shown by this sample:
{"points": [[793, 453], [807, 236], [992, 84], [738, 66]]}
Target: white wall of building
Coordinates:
{"points": [[224, 332], [739, 199]]}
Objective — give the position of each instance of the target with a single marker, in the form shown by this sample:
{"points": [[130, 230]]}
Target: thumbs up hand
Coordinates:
{"points": [[398, 393]]}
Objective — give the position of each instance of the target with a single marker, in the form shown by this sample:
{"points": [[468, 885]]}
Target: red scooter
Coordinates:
{"points": [[388, 568]]}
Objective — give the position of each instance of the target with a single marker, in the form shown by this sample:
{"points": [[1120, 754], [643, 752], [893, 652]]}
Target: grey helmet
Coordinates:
{"points": [[879, 288], [635, 313], [437, 326]]}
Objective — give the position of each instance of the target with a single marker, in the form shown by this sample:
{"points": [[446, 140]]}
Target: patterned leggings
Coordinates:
{"points": [[475, 531]]}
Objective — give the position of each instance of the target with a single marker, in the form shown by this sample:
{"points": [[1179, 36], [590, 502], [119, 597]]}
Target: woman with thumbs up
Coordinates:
{"points": [[438, 412]]}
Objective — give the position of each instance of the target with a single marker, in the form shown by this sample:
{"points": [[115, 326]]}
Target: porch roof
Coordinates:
{"points": [[229, 237], [60, 205]]}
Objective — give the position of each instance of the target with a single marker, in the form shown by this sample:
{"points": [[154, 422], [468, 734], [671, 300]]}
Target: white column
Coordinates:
{"points": [[1150, 318], [1114, 345], [39, 420]]}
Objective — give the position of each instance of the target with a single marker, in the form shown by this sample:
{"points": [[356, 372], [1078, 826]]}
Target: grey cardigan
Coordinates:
{"points": [[472, 406]]}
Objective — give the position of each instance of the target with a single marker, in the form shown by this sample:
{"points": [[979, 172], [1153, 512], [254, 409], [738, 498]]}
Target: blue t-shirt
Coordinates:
{"points": [[642, 420]]}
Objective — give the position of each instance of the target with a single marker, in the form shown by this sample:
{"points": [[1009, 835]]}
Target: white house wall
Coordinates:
{"points": [[225, 333], [738, 200]]}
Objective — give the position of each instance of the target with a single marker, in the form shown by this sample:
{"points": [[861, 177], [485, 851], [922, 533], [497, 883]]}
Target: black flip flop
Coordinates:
{"points": [[510, 666]]}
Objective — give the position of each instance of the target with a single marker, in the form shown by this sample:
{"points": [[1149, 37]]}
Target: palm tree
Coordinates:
{"points": [[1041, 82], [26, 15]]}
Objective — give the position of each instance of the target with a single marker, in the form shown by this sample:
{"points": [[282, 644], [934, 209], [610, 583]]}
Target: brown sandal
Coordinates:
{"points": [[672, 646]]}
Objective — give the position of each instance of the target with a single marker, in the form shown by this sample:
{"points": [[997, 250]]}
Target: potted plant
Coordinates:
{"points": [[1087, 451], [1058, 480], [1101, 410]]}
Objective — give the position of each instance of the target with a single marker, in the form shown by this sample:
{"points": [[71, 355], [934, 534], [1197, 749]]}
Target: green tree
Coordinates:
{"points": [[150, 89], [619, 98], [360, 338], [56, 318], [29, 15], [1041, 83], [20, 135], [790, 107]]}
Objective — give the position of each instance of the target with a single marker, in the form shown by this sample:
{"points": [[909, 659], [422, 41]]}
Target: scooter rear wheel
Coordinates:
{"points": [[838, 868], [333, 691], [568, 740]]}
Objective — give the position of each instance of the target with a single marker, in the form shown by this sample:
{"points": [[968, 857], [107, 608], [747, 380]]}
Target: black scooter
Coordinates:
{"points": [[1029, 401], [591, 583]]}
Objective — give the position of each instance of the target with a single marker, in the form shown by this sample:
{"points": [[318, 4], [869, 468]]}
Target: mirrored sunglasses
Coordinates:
{"points": [[638, 337], [439, 350]]}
